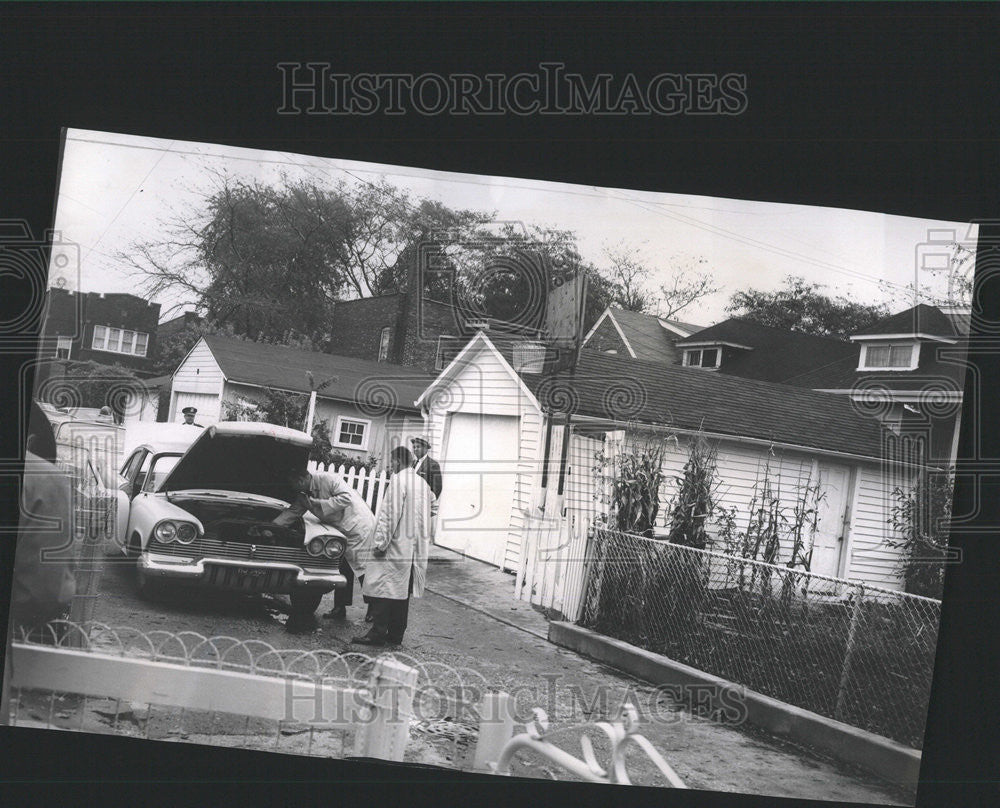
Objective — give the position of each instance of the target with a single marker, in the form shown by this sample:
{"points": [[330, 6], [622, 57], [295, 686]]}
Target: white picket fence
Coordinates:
{"points": [[368, 483]]}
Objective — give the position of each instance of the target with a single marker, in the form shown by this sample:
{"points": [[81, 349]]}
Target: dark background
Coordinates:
{"points": [[891, 108]]}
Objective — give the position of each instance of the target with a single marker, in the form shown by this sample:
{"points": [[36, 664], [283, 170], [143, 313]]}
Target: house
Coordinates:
{"points": [[148, 401], [108, 328], [909, 369], [176, 325], [638, 335], [409, 330], [498, 426], [740, 347], [369, 406]]}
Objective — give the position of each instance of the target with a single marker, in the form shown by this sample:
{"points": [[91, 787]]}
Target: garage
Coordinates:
{"points": [[480, 474], [207, 405]]}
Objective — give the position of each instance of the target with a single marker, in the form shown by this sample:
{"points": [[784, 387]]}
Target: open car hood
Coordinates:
{"points": [[242, 457]]}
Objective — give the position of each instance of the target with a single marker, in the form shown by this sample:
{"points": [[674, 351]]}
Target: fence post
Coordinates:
{"points": [[385, 733], [496, 727], [849, 653]]}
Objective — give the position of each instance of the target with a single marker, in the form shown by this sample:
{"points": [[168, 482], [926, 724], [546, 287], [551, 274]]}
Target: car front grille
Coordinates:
{"points": [[209, 547]]}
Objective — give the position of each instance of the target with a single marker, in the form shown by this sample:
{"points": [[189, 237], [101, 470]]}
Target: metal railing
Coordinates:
{"points": [[244, 693], [223, 691], [852, 652]]}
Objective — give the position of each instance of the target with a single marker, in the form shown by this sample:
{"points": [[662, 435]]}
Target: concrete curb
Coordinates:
{"points": [[880, 756]]}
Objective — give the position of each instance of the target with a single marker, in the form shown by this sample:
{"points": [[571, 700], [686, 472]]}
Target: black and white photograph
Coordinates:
{"points": [[454, 401], [489, 474]]}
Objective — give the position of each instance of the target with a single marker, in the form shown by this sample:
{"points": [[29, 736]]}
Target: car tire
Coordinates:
{"points": [[148, 588], [304, 602]]}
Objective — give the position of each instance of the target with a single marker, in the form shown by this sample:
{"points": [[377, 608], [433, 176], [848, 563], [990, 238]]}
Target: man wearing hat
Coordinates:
{"points": [[425, 465], [189, 414]]}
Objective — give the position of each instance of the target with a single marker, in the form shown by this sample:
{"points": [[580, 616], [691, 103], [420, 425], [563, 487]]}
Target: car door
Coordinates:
{"points": [[125, 493]]}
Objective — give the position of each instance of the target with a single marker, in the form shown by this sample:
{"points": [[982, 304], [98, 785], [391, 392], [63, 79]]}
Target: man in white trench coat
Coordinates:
{"points": [[397, 567]]}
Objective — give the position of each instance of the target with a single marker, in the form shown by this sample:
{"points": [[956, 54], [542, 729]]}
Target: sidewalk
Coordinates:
{"points": [[482, 587]]}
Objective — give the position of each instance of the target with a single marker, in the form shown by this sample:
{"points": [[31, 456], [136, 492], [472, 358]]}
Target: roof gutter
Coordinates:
{"points": [[306, 393], [582, 419]]}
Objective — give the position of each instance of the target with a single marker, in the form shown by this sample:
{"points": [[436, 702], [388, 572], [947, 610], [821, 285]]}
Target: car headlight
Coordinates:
{"points": [[168, 531], [186, 532], [165, 532], [315, 546], [334, 547]]}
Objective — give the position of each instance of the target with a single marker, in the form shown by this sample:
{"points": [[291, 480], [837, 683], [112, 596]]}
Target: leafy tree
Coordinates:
{"points": [[803, 306], [920, 516], [90, 384]]}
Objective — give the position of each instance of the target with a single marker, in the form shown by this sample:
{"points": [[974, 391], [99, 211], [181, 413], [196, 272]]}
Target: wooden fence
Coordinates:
{"points": [[368, 483]]}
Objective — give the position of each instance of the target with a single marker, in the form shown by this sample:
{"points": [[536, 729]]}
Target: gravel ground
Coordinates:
{"points": [[707, 754]]}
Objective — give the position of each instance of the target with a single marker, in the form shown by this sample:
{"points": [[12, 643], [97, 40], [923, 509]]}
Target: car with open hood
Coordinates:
{"points": [[198, 506]]}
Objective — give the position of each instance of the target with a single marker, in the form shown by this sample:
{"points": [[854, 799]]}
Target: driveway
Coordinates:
{"points": [[468, 619]]}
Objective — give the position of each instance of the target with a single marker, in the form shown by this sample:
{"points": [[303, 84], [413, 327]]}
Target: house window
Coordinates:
{"points": [[63, 347], [383, 345], [702, 357], [118, 340], [901, 356], [352, 433]]}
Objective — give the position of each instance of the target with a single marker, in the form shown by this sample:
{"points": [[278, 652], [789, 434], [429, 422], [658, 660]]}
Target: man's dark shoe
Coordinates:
{"points": [[393, 641], [369, 639], [336, 613]]}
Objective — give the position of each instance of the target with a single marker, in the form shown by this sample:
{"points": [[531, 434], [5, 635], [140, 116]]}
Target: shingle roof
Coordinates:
{"points": [[650, 340], [376, 384], [844, 374], [921, 319], [777, 354], [623, 389]]}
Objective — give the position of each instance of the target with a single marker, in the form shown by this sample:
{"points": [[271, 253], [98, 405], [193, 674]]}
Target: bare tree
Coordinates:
{"points": [[629, 273], [689, 283]]}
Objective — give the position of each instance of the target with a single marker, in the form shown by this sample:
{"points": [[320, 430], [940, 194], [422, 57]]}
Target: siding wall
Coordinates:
{"points": [[606, 338], [385, 431], [484, 386], [739, 466], [871, 560], [198, 373]]}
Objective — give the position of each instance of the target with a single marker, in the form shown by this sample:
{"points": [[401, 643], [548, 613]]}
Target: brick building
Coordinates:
{"points": [[108, 328], [402, 329]]}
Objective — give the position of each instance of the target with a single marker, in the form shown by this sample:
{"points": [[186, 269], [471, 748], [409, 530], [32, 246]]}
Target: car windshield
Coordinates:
{"points": [[158, 470]]}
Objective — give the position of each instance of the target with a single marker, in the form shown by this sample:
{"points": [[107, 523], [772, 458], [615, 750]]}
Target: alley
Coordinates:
{"points": [[468, 620]]}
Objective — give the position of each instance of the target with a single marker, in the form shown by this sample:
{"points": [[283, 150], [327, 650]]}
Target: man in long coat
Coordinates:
{"points": [[397, 569], [43, 585], [335, 503]]}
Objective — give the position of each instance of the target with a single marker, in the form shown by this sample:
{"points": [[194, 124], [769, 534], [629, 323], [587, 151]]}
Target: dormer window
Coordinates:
{"points": [[702, 357], [889, 356]]}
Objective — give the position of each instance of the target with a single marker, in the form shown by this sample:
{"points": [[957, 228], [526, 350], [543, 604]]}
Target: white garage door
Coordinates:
{"points": [[479, 473], [207, 405]]}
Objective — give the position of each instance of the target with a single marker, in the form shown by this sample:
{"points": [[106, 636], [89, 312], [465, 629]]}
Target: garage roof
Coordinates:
{"points": [[617, 388], [358, 381]]}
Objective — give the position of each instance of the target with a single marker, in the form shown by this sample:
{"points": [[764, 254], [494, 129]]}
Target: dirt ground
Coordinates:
{"points": [[507, 655]]}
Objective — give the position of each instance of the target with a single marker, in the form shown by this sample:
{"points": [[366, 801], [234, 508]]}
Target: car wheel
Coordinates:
{"points": [[149, 588], [304, 602]]}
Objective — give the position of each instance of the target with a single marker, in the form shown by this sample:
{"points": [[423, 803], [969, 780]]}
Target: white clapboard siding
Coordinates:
{"points": [[553, 577], [483, 384], [196, 379], [872, 560]]}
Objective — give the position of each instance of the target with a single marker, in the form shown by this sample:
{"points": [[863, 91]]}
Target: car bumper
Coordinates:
{"points": [[168, 567]]}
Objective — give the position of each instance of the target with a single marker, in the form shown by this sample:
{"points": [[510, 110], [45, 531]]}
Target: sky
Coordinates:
{"points": [[116, 190]]}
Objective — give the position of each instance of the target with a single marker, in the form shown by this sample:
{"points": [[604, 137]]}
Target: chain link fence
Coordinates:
{"points": [[855, 653]]}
